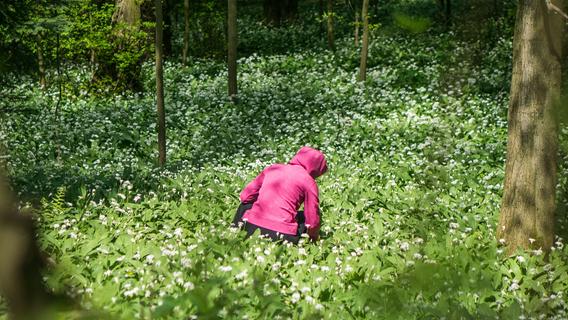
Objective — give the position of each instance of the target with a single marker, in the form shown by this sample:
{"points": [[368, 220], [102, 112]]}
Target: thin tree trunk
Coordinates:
{"points": [[185, 31], [93, 62], [330, 36], [160, 85], [365, 47], [356, 29], [527, 209], [232, 46], [41, 63], [448, 13], [57, 106], [167, 8], [321, 12]]}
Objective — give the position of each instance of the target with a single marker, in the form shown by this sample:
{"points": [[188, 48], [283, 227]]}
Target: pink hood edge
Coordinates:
{"points": [[312, 160]]}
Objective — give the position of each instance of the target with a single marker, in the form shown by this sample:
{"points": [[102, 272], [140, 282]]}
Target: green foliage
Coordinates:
{"points": [[409, 204], [412, 24]]}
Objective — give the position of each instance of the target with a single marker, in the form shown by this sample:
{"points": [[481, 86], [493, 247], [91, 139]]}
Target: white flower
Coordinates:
{"points": [[188, 286], [404, 246], [300, 262], [417, 256], [521, 259], [454, 225], [319, 306], [241, 275], [225, 268], [305, 289], [295, 297], [178, 232], [150, 259], [514, 286]]}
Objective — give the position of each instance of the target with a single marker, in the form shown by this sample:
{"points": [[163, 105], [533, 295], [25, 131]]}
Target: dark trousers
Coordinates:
{"points": [[274, 235]]}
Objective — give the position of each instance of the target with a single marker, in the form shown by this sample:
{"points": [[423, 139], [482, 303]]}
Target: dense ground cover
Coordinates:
{"points": [[409, 204]]}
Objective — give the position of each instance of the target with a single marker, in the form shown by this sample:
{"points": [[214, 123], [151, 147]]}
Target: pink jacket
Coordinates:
{"points": [[280, 189]]}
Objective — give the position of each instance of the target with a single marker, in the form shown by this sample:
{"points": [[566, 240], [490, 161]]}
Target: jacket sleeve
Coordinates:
{"points": [[311, 210], [250, 192]]}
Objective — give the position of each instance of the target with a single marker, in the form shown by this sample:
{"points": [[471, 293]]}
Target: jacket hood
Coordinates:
{"points": [[312, 160]]}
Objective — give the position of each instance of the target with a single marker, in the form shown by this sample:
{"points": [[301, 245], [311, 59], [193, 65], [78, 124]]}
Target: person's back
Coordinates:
{"points": [[279, 191]]}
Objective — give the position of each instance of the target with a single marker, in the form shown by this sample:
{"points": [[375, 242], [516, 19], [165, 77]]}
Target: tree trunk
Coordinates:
{"points": [[330, 36], [448, 13], [127, 12], [167, 9], [272, 12], [41, 63], [126, 20], [185, 31], [160, 85], [232, 46], [356, 29], [276, 12], [527, 209], [365, 47], [321, 13], [291, 10]]}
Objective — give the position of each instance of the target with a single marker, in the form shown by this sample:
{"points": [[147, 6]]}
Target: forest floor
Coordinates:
{"points": [[409, 205]]}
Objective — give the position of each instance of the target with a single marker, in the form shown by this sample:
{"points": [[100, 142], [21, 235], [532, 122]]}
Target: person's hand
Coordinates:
{"points": [[313, 233]]}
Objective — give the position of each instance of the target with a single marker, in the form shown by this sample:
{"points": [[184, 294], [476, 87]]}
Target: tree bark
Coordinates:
{"points": [[448, 13], [185, 31], [527, 209], [232, 46], [321, 13], [160, 85], [276, 12], [127, 12], [365, 47], [330, 36], [41, 63], [167, 9]]}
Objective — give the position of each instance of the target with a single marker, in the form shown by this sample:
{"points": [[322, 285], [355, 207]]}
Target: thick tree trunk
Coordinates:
{"points": [[232, 46], [127, 12], [126, 21], [185, 31], [365, 47], [356, 29], [330, 36], [160, 85], [41, 63], [527, 210]]}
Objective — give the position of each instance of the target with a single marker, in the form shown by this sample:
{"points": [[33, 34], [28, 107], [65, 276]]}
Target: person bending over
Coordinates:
{"points": [[271, 201]]}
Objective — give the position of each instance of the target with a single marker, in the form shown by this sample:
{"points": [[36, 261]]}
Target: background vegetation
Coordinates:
{"points": [[416, 156]]}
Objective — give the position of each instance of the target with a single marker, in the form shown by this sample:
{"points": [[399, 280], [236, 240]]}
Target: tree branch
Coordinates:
{"points": [[552, 7]]}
